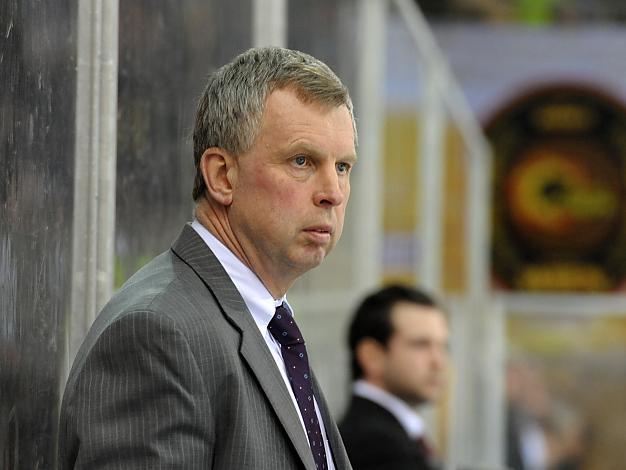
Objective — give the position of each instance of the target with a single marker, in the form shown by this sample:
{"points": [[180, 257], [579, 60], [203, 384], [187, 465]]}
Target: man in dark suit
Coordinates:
{"points": [[196, 363], [398, 342]]}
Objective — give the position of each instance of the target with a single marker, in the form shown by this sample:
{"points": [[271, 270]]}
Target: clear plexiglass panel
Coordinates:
{"points": [[166, 50], [37, 99]]}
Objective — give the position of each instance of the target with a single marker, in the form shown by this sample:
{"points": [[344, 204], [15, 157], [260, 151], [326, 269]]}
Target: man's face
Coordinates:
{"points": [[291, 188], [416, 354]]}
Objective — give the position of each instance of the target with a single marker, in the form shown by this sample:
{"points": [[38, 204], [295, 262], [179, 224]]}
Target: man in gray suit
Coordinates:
{"points": [[197, 362]]}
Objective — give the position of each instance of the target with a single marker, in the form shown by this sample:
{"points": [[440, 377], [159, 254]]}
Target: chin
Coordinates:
{"points": [[314, 257], [431, 396], [301, 266], [315, 263]]}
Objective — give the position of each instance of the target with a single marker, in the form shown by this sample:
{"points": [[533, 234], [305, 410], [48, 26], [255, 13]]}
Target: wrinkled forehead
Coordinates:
{"points": [[328, 101]]}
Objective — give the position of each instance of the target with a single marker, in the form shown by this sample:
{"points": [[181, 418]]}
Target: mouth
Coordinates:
{"points": [[436, 383], [321, 233]]}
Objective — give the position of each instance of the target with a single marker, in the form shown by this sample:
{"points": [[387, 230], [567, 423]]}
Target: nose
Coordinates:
{"points": [[440, 358], [330, 189]]}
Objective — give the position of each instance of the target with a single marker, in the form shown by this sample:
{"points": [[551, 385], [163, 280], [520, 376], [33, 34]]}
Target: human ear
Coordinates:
{"points": [[217, 167], [370, 355]]}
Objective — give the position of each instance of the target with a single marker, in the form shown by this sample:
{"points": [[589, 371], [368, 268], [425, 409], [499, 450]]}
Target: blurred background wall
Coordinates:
{"points": [[96, 112]]}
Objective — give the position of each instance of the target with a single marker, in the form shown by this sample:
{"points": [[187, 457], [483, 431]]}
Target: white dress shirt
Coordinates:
{"points": [[262, 306], [408, 418]]}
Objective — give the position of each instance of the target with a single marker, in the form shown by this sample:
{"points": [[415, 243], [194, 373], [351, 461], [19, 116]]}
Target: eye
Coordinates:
{"points": [[343, 168], [300, 160]]}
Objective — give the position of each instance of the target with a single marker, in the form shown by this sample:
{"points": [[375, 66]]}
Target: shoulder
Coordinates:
{"points": [[375, 440], [163, 304], [166, 288], [163, 280], [367, 421], [362, 409]]}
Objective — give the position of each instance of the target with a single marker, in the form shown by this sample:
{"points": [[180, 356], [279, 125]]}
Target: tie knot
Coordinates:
{"points": [[283, 327]]}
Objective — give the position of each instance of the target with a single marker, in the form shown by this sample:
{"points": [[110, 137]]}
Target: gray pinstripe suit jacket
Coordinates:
{"points": [[174, 373]]}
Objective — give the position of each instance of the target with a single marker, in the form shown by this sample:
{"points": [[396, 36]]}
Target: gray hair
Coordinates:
{"points": [[230, 110]]}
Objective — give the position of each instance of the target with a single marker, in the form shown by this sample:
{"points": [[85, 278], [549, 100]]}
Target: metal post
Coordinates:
{"points": [[366, 200], [431, 169], [487, 330], [95, 166], [269, 19]]}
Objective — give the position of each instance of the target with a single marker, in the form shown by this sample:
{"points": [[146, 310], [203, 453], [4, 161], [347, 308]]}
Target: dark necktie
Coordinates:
{"points": [[284, 329]]}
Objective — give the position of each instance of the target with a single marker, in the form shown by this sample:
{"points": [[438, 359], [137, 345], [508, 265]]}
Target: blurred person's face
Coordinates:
{"points": [[415, 360], [526, 388], [290, 189]]}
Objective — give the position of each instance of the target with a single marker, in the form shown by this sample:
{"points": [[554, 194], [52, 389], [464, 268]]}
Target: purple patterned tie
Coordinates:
{"points": [[284, 329]]}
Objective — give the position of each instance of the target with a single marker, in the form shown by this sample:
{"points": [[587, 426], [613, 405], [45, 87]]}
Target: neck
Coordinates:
{"points": [[411, 399], [214, 217]]}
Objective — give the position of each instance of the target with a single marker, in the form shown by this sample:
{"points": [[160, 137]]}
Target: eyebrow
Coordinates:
{"points": [[304, 147], [352, 158]]}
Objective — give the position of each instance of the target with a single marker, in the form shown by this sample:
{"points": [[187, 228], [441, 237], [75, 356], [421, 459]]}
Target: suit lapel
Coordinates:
{"points": [[192, 250], [254, 350], [340, 456]]}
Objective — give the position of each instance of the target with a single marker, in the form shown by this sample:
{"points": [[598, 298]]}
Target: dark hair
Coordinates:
{"points": [[372, 319]]}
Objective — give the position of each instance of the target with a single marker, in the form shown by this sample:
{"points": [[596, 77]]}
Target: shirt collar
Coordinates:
{"points": [[408, 418], [258, 299]]}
